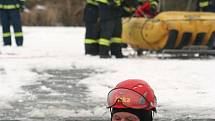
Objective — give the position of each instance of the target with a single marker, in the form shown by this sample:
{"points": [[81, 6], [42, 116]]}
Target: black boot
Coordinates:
{"points": [[19, 43], [116, 50], [104, 51], [139, 52], [124, 45], [92, 49], [7, 43]]}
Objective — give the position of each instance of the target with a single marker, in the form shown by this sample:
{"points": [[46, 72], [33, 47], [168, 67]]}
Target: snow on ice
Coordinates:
{"points": [[184, 88]]}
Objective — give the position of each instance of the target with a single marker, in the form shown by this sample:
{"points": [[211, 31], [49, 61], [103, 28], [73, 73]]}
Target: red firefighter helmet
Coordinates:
{"points": [[132, 93]]}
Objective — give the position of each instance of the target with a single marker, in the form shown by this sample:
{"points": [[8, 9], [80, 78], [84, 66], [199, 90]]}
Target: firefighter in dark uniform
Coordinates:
{"points": [[110, 28], [10, 14], [92, 27], [206, 5], [128, 8]]}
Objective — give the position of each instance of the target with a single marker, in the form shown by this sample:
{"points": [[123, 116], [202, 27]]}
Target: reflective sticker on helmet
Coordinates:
{"points": [[123, 99]]}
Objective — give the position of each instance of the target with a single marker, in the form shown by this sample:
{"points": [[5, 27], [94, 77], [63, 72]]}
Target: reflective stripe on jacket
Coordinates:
{"points": [[154, 3], [11, 4], [93, 2], [118, 2], [204, 3]]}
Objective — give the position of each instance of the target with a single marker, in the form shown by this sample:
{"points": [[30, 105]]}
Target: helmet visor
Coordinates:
{"points": [[127, 98]]}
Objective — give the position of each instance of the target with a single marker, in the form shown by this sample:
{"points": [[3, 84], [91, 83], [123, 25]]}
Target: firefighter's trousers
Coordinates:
{"points": [[13, 17], [92, 29]]}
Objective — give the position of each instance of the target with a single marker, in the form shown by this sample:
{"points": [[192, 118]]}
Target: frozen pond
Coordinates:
{"points": [[60, 90], [50, 79]]}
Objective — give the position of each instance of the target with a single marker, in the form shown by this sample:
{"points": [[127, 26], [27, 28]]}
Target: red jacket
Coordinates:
{"points": [[145, 11]]}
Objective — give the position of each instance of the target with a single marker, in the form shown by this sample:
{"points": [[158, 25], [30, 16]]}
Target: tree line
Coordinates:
{"points": [[70, 12]]}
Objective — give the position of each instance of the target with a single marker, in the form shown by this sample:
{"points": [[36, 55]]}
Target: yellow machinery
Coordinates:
{"points": [[170, 30]]}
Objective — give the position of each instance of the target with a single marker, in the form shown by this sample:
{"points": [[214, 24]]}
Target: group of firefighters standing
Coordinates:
{"points": [[104, 25]]}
